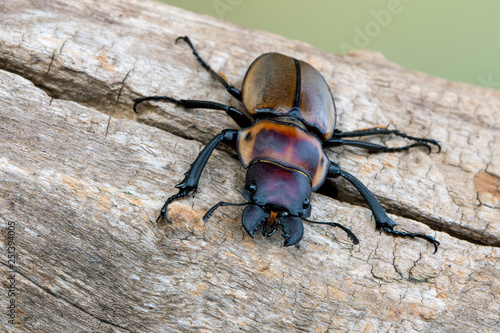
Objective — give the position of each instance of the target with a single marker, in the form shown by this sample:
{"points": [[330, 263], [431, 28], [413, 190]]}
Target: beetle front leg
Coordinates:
{"points": [[190, 181], [382, 220]]}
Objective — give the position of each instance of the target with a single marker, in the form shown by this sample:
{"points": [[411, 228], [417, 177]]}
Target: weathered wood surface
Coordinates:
{"points": [[83, 179]]}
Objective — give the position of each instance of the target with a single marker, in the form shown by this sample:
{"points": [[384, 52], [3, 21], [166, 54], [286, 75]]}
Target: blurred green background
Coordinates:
{"points": [[455, 39]]}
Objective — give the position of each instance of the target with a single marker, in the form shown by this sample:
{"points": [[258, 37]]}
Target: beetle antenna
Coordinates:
{"points": [[350, 234], [222, 203]]}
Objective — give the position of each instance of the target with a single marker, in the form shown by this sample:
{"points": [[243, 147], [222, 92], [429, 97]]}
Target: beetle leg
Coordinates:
{"points": [[230, 88], [382, 131], [239, 117], [373, 147], [382, 220], [190, 182]]}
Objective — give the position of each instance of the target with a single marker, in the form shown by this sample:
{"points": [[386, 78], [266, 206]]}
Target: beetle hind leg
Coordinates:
{"points": [[230, 88]]}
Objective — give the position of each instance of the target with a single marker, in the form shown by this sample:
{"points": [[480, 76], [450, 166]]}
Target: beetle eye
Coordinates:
{"points": [[251, 188], [306, 203]]}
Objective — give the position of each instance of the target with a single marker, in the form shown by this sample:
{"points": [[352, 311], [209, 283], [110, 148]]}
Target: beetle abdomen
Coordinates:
{"points": [[284, 144], [279, 85]]}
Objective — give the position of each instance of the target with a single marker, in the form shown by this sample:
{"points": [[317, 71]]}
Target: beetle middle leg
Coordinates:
{"points": [[382, 220], [190, 181], [373, 147], [337, 140], [235, 92], [239, 117]]}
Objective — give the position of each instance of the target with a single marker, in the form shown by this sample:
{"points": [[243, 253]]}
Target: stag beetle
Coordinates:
{"points": [[289, 117]]}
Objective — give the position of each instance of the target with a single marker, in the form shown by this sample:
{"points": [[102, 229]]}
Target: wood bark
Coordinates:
{"points": [[83, 178]]}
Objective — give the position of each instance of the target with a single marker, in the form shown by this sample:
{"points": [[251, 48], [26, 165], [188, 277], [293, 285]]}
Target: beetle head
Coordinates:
{"points": [[279, 195]]}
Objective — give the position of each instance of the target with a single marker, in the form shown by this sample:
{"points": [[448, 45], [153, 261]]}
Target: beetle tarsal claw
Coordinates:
{"points": [[428, 238], [183, 191]]}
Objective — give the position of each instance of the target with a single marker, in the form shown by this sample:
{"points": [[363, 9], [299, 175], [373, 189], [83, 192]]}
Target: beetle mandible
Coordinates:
{"points": [[289, 118]]}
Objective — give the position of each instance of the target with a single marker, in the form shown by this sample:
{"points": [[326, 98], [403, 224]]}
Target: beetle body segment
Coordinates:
{"points": [[283, 189], [277, 85], [286, 145], [282, 197]]}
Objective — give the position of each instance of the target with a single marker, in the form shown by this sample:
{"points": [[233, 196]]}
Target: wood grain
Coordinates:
{"points": [[83, 178]]}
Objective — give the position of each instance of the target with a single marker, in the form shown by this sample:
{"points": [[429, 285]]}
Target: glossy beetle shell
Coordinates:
{"points": [[286, 145], [277, 85]]}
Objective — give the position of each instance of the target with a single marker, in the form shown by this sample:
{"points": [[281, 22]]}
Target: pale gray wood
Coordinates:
{"points": [[84, 180]]}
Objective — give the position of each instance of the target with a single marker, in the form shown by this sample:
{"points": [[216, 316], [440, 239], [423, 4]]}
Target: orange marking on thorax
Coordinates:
{"points": [[285, 144]]}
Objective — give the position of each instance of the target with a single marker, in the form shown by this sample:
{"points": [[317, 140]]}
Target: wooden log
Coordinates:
{"points": [[83, 179]]}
